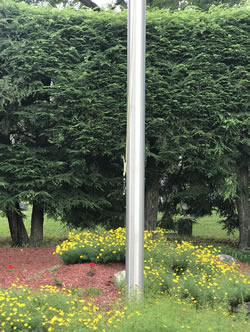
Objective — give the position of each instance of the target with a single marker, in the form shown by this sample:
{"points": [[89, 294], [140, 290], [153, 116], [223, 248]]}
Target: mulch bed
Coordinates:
{"points": [[35, 267]]}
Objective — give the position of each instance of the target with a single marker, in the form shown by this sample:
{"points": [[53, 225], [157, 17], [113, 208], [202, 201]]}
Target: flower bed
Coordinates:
{"points": [[181, 270], [179, 278]]}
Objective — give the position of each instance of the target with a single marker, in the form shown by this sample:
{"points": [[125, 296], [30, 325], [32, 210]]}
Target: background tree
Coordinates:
{"points": [[227, 112], [65, 106], [58, 153], [202, 4], [78, 3], [169, 4]]}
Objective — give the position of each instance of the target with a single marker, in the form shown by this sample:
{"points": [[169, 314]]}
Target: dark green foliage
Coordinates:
{"points": [[228, 211], [60, 150], [96, 130], [201, 4], [185, 226], [91, 254], [79, 255], [169, 4], [63, 108]]}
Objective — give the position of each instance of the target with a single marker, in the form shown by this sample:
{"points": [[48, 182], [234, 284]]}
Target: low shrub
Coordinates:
{"points": [[179, 269], [93, 246]]}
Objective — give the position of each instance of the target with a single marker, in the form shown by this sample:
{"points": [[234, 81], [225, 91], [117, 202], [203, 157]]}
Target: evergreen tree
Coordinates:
{"points": [[63, 111], [169, 4]]}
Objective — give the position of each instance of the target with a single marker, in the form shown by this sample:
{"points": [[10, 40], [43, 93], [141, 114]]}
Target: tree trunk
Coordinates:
{"points": [[243, 205], [151, 204], [17, 228], [37, 218]]}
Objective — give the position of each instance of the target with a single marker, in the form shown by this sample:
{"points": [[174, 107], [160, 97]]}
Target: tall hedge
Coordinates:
{"points": [[63, 80]]}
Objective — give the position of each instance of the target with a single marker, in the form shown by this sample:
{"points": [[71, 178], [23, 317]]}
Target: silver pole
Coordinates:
{"points": [[136, 149]]}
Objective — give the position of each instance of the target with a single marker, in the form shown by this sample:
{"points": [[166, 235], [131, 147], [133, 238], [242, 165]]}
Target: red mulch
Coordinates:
{"points": [[31, 266], [244, 268]]}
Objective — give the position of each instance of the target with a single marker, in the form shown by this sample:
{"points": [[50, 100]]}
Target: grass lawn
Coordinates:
{"points": [[206, 228], [209, 227], [54, 231]]}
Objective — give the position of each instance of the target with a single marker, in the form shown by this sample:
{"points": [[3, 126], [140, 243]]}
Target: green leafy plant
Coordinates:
{"points": [[53, 268], [36, 276], [58, 282], [92, 291]]}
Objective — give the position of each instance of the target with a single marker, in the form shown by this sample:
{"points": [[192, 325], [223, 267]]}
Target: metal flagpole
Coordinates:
{"points": [[135, 149]]}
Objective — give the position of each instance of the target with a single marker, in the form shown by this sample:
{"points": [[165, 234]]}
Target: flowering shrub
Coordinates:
{"points": [[51, 310], [93, 247], [195, 273], [102, 247], [181, 270]]}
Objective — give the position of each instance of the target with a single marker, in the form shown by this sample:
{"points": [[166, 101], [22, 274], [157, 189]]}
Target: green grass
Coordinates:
{"points": [[54, 231], [166, 314], [90, 292], [209, 227], [206, 230]]}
